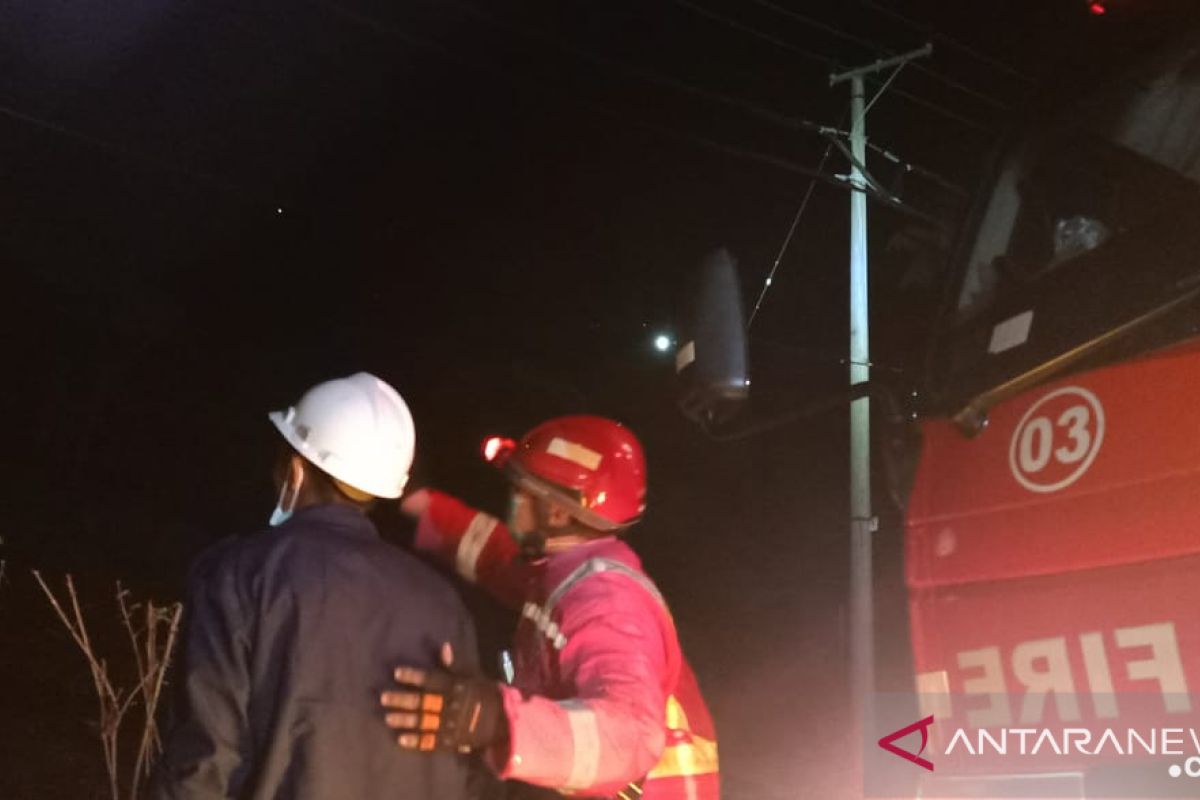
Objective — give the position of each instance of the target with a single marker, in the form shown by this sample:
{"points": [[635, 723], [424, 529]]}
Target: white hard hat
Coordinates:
{"points": [[356, 429]]}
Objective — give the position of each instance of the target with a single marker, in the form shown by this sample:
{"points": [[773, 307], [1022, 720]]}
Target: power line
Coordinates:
{"points": [[775, 161], [753, 109], [390, 30], [945, 112], [928, 31], [818, 24], [812, 184], [104, 145], [879, 92], [875, 46], [823, 59], [655, 77], [869, 179], [970, 123], [737, 151], [160, 163]]}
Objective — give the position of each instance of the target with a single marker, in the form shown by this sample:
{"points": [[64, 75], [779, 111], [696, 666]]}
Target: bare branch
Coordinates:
{"points": [[62, 615], [151, 745], [115, 701], [126, 618]]}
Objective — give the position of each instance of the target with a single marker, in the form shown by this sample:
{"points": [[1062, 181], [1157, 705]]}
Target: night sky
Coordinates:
{"points": [[209, 206]]}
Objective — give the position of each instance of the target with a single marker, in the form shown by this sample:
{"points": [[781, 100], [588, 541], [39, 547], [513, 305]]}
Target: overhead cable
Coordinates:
{"points": [[770, 279], [876, 47], [928, 31], [826, 60], [879, 92], [98, 143], [963, 120], [660, 79], [737, 151]]}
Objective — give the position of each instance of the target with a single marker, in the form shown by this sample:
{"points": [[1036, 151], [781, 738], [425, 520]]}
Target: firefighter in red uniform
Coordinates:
{"points": [[603, 702]]}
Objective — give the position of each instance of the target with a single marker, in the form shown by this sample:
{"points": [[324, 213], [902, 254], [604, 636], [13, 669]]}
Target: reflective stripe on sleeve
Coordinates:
{"points": [[472, 543], [585, 733]]}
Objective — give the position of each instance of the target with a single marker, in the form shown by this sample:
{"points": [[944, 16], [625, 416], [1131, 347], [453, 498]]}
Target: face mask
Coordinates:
{"points": [[510, 518], [532, 544], [280, 515]]}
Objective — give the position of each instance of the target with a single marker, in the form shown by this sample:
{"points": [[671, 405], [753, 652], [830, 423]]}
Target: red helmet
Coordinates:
{"points": [[592, 465]]}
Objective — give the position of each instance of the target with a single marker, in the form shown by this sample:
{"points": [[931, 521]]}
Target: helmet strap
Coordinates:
{"points": [[357, 495], [533, 546]]}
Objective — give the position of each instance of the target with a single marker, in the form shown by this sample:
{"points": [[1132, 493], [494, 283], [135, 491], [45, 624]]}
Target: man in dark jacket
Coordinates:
{"points": [[291, 633]]}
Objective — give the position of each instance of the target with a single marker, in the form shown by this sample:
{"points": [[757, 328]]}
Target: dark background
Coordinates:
{"points": [[209, 206]]}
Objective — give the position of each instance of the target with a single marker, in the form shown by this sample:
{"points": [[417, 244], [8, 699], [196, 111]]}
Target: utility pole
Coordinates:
{"points": [[862, 519]]}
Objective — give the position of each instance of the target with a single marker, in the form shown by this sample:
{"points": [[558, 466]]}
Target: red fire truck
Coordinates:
{"points": [[1052, 542]]}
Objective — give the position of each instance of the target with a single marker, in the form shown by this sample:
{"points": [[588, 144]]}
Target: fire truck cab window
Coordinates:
{"points": [[1058, 200]]}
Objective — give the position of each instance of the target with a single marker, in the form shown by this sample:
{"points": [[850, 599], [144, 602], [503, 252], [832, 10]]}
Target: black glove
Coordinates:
{"points": [[438, 710]]}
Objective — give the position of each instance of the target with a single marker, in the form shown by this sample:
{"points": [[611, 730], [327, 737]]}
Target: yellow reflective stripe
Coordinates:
{"points": [[676, 717], [697, 757], [472, 544]]}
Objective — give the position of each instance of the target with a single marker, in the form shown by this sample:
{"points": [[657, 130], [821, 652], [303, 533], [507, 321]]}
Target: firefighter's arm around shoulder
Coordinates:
{"points": [[615, 656], [477, 545]]}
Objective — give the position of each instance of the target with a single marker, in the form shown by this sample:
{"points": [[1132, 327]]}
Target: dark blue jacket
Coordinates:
{"points": [[289, 637]]}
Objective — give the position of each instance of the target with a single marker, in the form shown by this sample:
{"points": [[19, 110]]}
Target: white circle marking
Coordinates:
{"points": [[1020, 449]]}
